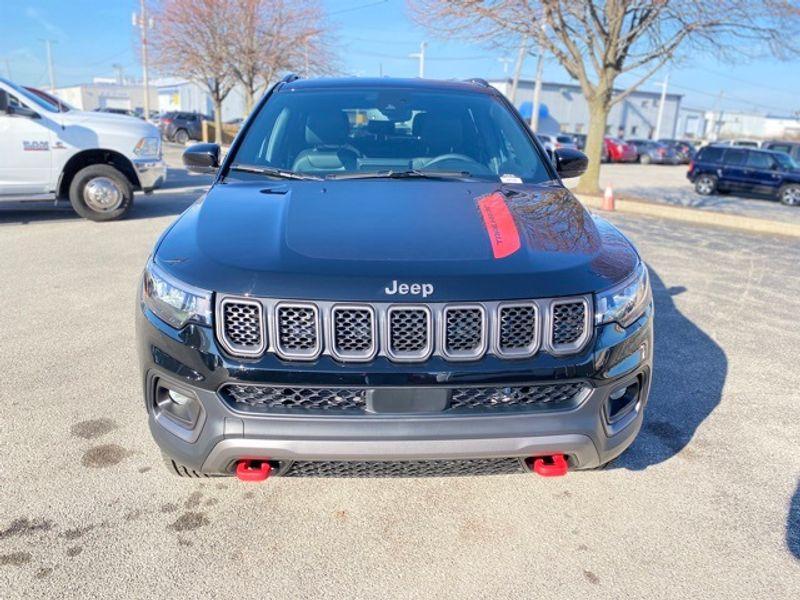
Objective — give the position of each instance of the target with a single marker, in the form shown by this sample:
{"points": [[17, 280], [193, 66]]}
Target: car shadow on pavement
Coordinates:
{"points": [[793, 524], [689, 375]]}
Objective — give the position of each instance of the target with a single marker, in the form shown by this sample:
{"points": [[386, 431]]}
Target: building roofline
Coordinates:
{"points": [[577, 87]]}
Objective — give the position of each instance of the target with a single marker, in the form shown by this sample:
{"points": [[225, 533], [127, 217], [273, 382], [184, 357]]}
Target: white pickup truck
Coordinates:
{"points": [[96, 160]]}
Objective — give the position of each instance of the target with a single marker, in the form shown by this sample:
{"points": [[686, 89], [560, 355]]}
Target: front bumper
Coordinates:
{"points": [[152, 173], [191, 362]]}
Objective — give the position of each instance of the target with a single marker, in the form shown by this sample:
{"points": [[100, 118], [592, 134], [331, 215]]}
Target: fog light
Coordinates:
{"points": [[622, 401], [179, 406]]}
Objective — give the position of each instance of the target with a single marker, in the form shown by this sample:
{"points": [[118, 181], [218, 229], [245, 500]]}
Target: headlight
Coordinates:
{"points": [[149, 146], [175, 302], [626, 302]]}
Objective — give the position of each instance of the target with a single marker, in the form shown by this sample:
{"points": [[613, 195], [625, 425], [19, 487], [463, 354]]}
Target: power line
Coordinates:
{"points": [[352, 8]]}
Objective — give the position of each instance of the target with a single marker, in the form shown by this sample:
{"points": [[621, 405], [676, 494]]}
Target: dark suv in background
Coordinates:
{"points": [[742, 170], [180, 127]]}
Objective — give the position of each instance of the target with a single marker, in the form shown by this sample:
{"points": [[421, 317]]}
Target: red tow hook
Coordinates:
{"points": [[253, 469], [550, 466]]}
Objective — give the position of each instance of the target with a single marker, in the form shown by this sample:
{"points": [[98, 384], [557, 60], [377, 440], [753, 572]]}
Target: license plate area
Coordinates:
{"points": [[407, 400]]}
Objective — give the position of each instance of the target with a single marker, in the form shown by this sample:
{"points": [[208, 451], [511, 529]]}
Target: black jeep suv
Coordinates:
{"points": [[387, 277]]}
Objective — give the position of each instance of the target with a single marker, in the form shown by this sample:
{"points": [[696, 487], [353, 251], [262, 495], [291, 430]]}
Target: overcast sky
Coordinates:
{"points": [[92, 35]]}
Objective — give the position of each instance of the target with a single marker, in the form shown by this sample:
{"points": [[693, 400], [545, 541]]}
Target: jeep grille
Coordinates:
{"points": [[305, 330]]}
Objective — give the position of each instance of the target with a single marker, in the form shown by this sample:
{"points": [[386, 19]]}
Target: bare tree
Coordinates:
{"points": [[597, 41], [274, 36], [191, 39]]}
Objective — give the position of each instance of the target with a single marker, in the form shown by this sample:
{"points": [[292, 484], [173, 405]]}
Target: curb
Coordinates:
{"points": [[694, 215]]}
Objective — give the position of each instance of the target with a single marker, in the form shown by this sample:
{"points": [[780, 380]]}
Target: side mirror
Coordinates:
{"points": [[202, 158], [570, 163], [3, 102], [23, 111]]}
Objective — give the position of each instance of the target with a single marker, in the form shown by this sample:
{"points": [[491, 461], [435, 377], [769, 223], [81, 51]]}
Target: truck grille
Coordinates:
{"points": [[569, 323], [464, 333], [297, 331], [409, 333], [304, 330], [518, 330], [405, 468], [243, 326], [297, 399], [353, 332]]}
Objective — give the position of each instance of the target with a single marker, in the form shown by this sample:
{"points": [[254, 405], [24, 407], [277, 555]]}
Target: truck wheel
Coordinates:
{"points": [[790, 194], [705, 185], [181, 136], [100, 193]]}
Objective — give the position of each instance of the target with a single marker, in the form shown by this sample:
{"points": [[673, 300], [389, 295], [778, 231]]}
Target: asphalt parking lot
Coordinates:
{"points": [[705, 504]]}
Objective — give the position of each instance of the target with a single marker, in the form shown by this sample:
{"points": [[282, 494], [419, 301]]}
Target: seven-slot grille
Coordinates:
{"points": [[302, 330], [273, 398], [569, 323], [297, 330], [409, 333], [243, 326]]}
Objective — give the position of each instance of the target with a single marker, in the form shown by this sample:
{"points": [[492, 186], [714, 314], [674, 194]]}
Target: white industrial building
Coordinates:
{"points": [[634, 117], [106, 93]]}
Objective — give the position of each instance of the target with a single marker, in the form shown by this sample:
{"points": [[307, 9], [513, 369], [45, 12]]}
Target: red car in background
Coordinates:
{"points": [[617, 150]]}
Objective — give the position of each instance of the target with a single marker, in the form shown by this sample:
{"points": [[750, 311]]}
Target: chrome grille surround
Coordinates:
{"points": [[252, 336], [463, 343], [436, 313], [297, 332], [346, 345], [503, 347], [552, 345], [405, 324]]}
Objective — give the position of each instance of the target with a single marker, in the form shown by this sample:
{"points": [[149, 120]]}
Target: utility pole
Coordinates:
{"points": [[49, 45], [120, 73], [661, 106], [421, 56], [716, 123], [506, 61], [143, 22], [523, 49], [537, 90], [8, 69]]}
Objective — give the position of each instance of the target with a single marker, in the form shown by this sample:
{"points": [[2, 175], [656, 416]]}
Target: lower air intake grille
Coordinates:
{"points": [[242, 326], [568, 322], [529, 396], [280, 398], [410, 468]]}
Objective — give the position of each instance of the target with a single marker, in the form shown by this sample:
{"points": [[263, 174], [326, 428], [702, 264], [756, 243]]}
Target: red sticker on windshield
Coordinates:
{"points": [[499, 224]]}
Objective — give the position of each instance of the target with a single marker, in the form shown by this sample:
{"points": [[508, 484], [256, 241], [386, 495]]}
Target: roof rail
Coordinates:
{"points": [[289, 78], [478, 81]]}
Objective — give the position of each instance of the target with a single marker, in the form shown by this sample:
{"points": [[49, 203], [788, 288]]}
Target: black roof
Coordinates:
{"points": [[388, 82]]}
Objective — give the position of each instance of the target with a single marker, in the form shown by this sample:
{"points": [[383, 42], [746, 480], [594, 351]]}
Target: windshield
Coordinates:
{"points": [[32, 98], [786, 161], [346, 132]]}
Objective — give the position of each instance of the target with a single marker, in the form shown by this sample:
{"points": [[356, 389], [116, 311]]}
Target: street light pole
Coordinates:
{"points": [[144, 23], [421, 56], [49, 45], [661, 106], [523, 49], [537, 90]]}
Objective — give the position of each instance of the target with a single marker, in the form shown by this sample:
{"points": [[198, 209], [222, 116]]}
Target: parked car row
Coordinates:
{"points": [[181, 126]]}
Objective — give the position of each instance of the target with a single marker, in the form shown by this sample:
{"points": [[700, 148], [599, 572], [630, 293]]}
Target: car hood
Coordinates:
{"points": [[109, 122], [349, 240]]}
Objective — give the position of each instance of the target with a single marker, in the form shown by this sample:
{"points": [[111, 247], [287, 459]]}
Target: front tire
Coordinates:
{"points": [[789, 195], [181, 136], [100, 193], [705, 185]]}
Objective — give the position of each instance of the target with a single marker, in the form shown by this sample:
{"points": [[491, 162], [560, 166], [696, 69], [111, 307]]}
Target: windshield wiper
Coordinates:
{"points": [[273, 172], [409, 174]]}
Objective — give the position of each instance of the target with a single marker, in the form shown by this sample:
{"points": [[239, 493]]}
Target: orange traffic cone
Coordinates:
{"points": [[608, 198]]}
